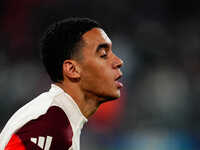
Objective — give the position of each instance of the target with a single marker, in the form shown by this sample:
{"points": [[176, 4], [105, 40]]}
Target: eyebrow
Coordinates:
{"points": [[104, 45]]}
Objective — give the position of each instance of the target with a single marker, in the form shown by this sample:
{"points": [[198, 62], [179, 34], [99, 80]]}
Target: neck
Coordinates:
{"points": [[87, 103]]}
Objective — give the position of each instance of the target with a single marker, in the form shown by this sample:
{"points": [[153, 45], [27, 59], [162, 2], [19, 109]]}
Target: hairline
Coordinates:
{"points": [[78, 54]]}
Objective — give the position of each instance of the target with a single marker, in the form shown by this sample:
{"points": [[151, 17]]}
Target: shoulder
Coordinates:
{"points": [[53, 126], [29, 111], [55, 118]]}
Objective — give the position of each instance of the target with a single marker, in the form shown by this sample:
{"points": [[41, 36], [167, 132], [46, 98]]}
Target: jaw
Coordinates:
{"points": [[109, 97]]}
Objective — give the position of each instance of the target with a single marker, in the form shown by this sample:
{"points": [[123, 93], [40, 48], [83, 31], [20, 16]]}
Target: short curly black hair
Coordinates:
{"points": [[62, 41]]}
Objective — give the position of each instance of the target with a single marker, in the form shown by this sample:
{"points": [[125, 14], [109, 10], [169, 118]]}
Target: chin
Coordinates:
{"points": [[114, 96], [117, 94]]}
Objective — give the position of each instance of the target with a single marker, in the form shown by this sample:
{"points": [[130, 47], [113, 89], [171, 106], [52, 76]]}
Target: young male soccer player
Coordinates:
{"points": [[78, 57]]}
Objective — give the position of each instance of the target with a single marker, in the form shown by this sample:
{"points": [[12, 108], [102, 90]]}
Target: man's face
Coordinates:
{"points": [[100, 67]]}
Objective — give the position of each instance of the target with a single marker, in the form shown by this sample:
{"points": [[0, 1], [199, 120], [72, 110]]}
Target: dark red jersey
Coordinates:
{"points": [[52, 121]]}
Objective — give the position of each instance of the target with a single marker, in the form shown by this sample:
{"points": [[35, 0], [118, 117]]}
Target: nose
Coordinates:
{"points": [[117, 63]]}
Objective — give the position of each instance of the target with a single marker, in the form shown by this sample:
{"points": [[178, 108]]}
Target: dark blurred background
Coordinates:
{"points": [[159, 41]]}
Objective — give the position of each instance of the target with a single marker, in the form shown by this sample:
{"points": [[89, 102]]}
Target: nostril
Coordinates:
{"points": [[117, 62], [117, 65]]}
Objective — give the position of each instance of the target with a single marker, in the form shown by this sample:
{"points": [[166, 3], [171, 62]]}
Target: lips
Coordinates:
{"points": [[119, 84], [117, 81]]}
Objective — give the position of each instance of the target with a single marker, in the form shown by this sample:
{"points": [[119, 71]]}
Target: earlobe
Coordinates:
{"points": [[71, 69]]}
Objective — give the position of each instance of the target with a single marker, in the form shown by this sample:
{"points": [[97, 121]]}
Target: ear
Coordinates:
{"points": [[71, 69]]}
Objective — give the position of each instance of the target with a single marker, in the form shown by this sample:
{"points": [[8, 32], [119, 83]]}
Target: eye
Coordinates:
{"points": [[103, 54]]}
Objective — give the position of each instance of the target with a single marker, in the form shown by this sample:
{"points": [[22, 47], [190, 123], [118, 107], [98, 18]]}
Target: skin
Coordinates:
{"points": [[92, 80]]}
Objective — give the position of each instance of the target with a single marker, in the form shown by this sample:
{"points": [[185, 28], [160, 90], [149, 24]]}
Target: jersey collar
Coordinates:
{"points": [[66, 102]]}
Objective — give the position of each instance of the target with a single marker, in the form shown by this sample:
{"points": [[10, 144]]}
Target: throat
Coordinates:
{"points": [[89, 107], [87, 102]]}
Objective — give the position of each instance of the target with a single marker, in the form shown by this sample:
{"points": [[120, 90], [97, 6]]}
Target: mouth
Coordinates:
{"points": [[118, 82]]}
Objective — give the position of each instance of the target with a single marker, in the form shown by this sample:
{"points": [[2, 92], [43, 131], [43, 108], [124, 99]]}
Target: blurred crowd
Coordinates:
{"points": [[159, 41]]}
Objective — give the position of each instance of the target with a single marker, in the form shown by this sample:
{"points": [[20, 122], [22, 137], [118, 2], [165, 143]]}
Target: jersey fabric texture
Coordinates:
{"points": [[51, 121]]}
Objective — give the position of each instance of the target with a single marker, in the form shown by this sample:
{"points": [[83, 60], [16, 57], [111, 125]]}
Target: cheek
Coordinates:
{"points": [[102, 72], [97, 74]]}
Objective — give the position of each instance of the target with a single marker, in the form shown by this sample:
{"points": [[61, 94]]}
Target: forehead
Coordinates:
{"points": [[96, 36]]}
